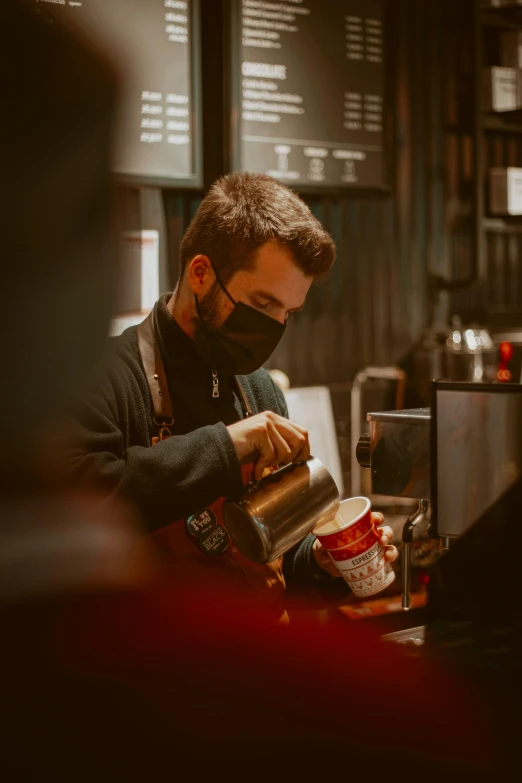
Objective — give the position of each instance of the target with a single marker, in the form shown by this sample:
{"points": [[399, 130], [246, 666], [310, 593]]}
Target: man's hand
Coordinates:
{"points": [[275, 439], [322, 557]]}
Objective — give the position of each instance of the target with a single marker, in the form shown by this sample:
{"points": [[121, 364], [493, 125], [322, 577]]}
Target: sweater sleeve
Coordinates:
{"points": [[303, 574], [169, 481], [280, 397]]}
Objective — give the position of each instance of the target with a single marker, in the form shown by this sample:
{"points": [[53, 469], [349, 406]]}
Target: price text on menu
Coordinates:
{"points": [[151, 42], [312, 90]]}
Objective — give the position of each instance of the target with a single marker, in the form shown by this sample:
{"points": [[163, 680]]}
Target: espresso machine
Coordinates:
{"points": [[462, 457], [396, 450]]}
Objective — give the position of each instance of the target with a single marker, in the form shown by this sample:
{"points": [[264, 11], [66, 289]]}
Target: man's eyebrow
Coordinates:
{"points": [[274, 300]]}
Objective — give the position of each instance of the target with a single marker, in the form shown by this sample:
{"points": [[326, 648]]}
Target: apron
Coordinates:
{"points": [[199, 550]]}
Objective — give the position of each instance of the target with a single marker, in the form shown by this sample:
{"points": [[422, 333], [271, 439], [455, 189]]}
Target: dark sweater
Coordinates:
{"points": [[184, 473]]}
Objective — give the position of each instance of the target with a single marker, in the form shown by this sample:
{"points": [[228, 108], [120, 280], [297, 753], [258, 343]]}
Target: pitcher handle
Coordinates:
{"points": [[275, 473]]}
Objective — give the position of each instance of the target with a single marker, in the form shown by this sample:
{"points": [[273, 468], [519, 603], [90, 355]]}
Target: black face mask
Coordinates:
{"points": [[242, 344]]}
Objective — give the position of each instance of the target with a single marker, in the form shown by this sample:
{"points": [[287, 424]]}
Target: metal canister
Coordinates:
{"points": [[281, 509]]}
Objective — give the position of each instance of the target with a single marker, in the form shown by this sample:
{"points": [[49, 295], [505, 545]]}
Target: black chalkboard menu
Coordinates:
{"points": [[155, 43], [309, 83]]}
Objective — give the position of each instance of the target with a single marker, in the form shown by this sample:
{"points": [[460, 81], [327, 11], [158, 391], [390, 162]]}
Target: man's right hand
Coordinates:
{"points": [[276, 440]]}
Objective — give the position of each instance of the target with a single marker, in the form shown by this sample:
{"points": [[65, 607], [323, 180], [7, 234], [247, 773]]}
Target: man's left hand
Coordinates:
{"points": [[322, 557]]}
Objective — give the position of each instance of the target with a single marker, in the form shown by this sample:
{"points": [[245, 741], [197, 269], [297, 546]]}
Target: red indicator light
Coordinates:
{"points": [[506, 352]]}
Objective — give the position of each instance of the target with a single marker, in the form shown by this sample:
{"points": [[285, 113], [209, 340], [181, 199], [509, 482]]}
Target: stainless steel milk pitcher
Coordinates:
{"points": [[281, 509]]}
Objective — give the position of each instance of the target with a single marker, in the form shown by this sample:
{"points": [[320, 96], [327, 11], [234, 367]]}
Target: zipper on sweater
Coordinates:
{"points": [[215, 384]]}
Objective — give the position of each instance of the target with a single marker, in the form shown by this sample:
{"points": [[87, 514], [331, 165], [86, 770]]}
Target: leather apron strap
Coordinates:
{"points": [[157, 380], [247, 410], [155, 373]]}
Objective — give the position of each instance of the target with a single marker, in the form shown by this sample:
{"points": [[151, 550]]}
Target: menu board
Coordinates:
{"points": [[311, 84], [153, 42]]}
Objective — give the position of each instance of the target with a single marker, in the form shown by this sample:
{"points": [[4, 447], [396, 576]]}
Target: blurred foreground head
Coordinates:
{"points": [[57, 268], [57, 260]]}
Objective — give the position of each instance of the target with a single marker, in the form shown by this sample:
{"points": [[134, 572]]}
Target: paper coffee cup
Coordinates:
{"points": [[352, 542]]}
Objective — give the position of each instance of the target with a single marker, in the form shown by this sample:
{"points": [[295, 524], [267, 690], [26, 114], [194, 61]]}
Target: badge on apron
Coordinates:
{"points": [[213, 538]]}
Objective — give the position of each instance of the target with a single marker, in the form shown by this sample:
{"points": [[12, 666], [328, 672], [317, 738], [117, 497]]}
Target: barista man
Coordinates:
{"points": [[185, 403]]}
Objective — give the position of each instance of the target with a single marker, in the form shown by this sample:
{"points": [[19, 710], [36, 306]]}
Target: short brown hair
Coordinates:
{"points": [[243, 211]]}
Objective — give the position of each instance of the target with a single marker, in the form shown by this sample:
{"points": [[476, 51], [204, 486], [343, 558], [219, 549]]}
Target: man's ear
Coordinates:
{"points": [[200, 275]]}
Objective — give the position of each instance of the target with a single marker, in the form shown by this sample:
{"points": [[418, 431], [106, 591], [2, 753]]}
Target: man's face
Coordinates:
{"points": [[274, 286]]}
